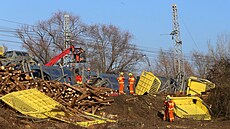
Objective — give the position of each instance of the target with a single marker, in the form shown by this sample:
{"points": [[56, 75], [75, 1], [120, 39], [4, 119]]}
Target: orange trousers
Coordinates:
{"points": [[131, 89], [171, 115], [166, 115], [121, 88]]}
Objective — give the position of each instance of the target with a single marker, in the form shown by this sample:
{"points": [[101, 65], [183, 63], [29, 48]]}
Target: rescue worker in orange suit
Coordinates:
{"points": [[169, 109], [131, 83], [121, 81], [79, 79]]}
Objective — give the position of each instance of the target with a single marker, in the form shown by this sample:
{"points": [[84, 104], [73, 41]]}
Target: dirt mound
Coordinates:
{"points": [[144, 112], [131, 112], [136, 111]]}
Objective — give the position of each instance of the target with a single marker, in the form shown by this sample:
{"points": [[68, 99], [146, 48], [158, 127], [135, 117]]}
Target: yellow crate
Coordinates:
{"points": [[148, 83]]}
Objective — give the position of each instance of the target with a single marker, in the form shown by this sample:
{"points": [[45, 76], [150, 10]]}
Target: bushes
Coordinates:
{"points": [[219, 98]]}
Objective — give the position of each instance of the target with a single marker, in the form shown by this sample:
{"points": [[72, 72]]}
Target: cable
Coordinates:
{"points": [[15, 22], [150, 52], [16, 42], [189, 33]]}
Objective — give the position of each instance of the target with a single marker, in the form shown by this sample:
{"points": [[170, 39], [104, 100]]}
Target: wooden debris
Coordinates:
{"points": [[84, 98]]}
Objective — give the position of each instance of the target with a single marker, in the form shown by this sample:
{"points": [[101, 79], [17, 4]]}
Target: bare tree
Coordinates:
{"points": [[201, 63], [164, 64], [222, 48], [46, 39], [219, 73], [110, 49]]}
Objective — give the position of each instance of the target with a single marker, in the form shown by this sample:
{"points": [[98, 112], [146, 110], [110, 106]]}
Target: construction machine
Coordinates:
{"points": [[60, 73], [78, 53]]}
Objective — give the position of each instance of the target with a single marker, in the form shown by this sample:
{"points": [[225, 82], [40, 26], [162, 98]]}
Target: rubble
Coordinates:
{"points": [[83, 98]]}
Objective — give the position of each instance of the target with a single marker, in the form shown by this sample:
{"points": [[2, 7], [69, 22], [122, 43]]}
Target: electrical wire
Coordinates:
{"points": [[150, 52]]}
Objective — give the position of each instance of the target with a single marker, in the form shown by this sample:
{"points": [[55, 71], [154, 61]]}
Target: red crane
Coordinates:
{"points": [[79, 56]]}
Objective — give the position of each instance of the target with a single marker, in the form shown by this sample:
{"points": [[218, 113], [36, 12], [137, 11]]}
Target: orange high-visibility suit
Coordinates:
{"points": [[131, 84], [166, 115], [171, 106], [121, 81], [79, 79], [169, 110]]}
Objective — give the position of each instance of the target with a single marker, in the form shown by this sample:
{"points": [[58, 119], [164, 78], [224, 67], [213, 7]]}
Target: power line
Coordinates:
{"points": [[190, 35], [10, 41], [153, 51], [15, 22]]}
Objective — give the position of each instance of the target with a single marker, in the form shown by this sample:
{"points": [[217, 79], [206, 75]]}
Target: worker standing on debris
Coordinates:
{"points": [[131, 83], [121, 81], [169, 109], [78, 77]]}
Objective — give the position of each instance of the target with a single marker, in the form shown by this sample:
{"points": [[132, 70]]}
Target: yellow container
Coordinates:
{"points": [[191, 107], [197, 86], [148, 83]]}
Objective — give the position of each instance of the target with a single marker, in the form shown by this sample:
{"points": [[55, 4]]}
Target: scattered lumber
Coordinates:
{"points": [[85, 98]]}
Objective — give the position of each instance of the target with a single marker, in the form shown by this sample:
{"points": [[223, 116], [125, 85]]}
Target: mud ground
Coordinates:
{"points": [[131, 112]]}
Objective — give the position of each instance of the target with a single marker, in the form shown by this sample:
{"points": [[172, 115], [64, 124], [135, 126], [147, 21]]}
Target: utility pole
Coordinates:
{"points": [[178, 55], [67, 35]]}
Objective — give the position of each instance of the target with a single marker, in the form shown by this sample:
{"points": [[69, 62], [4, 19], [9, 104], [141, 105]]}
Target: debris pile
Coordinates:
{"points": [[75, 98]]}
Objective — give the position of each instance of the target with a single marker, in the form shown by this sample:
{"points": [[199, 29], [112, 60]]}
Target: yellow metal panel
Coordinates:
{"points": [[191, 107], [36, 104], [148, 83], [198, 85], [2, 50], [32, 102]]}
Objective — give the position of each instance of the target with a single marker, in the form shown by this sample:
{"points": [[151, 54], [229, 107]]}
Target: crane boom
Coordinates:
{"points": [[77, 52]]}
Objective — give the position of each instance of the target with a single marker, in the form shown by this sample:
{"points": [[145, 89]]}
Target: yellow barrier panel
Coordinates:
{"points": [[191, 107], [148, 83], [33, 103]]}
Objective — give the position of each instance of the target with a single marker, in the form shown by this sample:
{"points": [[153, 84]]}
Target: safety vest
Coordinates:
{"points": [[131, 80], [121, 79], [171, 105], [79, 79]]}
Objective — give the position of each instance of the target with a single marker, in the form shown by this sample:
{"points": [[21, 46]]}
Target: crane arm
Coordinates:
{"points": [[58, 57]]}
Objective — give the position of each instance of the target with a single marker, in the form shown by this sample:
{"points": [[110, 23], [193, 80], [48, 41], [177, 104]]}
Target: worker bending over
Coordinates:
{"points": [[78, 77], [131, 83], [121, 81], [169, 109]]}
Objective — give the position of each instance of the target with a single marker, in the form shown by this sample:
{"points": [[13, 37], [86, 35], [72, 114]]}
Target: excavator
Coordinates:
{"points": [[50, 71], [78, 53]]}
